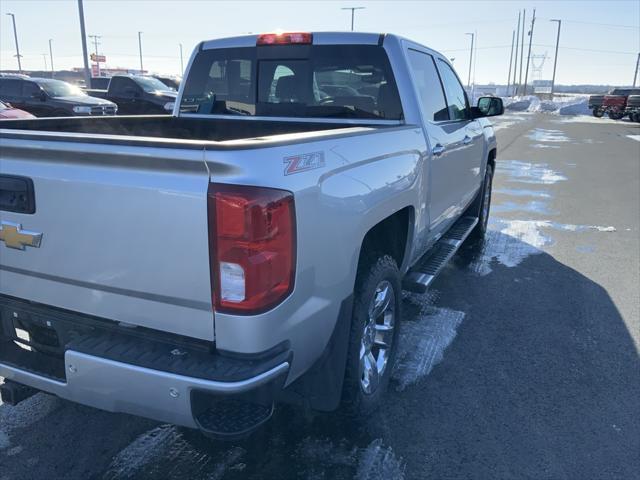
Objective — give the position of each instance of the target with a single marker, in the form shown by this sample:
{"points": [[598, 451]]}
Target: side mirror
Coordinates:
{"points": [[488, 107]]}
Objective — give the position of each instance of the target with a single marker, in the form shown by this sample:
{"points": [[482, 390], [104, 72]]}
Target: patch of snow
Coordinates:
{"points": [[560, 105], [542, 135], [532, 206], [521, 192], [527, 172], [634, 137], [378, 462], [423, 340]]}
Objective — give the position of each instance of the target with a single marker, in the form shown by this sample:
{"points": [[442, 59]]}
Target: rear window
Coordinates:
{"points": [[320, 81]]}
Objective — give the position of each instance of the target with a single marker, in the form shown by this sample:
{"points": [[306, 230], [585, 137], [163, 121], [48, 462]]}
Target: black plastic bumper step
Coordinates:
{"points": [[424, 272], [232, 418]]}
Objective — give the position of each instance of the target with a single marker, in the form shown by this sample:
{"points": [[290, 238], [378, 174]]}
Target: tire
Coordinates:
{"points": [[615, 115], [377, 284], [597, 112], [484, 205]]}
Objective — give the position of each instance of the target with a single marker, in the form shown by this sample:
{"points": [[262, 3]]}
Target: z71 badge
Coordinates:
{"points": [[303, 162]]}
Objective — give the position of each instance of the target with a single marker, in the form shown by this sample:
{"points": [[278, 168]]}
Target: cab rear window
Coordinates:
{"points": [[319, 81]]}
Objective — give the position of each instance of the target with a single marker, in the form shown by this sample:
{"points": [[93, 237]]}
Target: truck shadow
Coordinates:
{"points": [[539, 378]]}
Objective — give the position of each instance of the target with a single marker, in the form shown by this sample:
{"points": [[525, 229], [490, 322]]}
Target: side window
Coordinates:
{"points": [[456, 98], [30, 89], [120, 84], [429, 87], [9, 88]]}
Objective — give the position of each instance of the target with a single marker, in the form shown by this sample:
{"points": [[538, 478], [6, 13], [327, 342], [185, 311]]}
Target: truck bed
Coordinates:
{"points": [[168, 127]]}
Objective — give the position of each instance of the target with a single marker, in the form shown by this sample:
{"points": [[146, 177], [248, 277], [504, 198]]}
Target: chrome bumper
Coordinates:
{"points": [[120, 387]]}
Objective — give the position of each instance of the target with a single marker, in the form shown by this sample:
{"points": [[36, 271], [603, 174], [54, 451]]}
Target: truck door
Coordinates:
{"points": [[444, 186], [466, 137], [126, 94]]}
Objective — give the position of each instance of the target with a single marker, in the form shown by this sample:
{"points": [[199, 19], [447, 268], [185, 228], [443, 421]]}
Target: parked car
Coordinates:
{"points": [[44, 97], [249, 249], [633, 108], [172, 82], [8, 112], [138, 95], [615, 103]]}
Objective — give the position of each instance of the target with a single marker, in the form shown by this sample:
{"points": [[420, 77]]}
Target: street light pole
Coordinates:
{"points": [[181, 61], [470, 59], [140, 50], [353, 9], [526, 73], [555, 60], [15, 36], [635, 74], [51, 55], [85, 54], [513, 38], [524, 17]]}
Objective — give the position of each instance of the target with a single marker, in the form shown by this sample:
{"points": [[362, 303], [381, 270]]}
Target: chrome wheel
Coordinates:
{"points": [[377, 336]]}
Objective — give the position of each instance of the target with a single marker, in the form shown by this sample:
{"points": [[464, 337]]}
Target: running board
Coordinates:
{"points": [[424, 272]]}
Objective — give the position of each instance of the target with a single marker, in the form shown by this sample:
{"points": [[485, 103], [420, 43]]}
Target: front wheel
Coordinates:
{"points": [[598, 112], [373, 336], [485, 204]]}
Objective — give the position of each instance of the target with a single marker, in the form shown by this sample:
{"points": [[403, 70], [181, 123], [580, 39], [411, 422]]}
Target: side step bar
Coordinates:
{"points": [[424, 272]]}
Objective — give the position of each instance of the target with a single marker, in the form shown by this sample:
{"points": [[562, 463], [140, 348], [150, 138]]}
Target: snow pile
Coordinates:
{"points": [[560, 105]]}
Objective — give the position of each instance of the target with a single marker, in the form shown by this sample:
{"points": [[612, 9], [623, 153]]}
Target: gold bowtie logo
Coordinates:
{"points": [[14, 237]]}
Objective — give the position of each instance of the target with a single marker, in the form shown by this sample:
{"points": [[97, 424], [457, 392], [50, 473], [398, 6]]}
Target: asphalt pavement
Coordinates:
{"points": [[522, 362]]}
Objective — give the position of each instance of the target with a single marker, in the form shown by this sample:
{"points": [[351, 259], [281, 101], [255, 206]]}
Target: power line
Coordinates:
{"points": [[613, 25]]}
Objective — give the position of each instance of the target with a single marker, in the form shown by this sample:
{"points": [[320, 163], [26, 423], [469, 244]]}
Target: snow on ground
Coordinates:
{"points": [[561, 105], [634, 137]]}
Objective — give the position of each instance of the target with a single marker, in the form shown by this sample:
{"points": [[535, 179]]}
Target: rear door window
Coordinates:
{"points": [[427, 81], [10, 88]]}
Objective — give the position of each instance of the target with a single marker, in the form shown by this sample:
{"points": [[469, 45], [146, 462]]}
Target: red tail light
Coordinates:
{"points": [[292, 38], [252, 244]]}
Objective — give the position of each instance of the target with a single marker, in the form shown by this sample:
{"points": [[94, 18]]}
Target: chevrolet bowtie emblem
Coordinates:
{"points": [[14, 236]]}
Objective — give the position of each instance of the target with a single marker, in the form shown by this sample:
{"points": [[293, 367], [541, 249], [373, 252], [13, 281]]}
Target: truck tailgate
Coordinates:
{"points": [[124, 232]]}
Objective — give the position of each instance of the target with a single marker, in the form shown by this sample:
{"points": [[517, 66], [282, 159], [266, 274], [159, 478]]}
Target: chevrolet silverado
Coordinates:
{"points": [[249, 249]]}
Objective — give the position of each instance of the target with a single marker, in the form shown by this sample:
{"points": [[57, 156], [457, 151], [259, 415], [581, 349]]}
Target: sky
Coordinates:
{"points": [[599, 41]]}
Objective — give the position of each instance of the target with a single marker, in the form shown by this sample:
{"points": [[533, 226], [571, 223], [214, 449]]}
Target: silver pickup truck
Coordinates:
{"points": [[248, 250]]}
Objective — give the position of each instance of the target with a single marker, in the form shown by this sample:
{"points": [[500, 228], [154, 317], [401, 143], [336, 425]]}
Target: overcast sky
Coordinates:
{"points": [[599, 42]]}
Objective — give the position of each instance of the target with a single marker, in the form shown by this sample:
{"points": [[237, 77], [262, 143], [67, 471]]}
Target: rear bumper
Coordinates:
{"points": [[164, 377], [120, 387]]}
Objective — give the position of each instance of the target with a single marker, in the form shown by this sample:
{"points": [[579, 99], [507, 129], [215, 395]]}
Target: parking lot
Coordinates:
{"points": [[521, 362]]}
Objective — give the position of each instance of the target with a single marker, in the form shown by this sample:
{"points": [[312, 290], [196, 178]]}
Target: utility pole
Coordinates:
{"points": [[353, 9], [51, 56], [635, 74], [95, 46], [85, 54], [526, 74], [513, 38], [524, 16], [555, 60], [515, 64], [470, 59], [15, 36], [140, 50], [181, 61], [44, 57]]}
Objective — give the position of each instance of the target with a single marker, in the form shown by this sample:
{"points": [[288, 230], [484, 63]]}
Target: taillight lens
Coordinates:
{"points": [[252, 247]]}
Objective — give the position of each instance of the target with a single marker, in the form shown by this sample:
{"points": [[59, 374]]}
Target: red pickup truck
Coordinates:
{"points": [[615, 102]]}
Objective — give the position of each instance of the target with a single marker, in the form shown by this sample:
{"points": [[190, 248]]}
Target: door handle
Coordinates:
{"points": [[438, 150], [467, 140]]}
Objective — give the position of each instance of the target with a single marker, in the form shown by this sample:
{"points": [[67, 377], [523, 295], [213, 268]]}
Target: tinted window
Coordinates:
{"points": [[456, 99], [337, 81], [429, 87], [10, 88], [30, 89], [119, 85]]}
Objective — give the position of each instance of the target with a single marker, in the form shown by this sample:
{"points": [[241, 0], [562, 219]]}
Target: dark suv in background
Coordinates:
{"points": [[138, 95], [44, 97]]}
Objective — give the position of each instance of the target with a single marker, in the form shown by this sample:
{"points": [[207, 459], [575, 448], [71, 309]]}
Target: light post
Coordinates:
{"points": [[353, 9], [181, 61], [140, 50], [85, 54], [51, 55], [470, 59], [555, 60], [15, 36]]}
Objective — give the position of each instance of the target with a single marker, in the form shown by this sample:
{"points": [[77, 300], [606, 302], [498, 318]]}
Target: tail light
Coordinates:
{"points": [[291, 38], [252, 244]]}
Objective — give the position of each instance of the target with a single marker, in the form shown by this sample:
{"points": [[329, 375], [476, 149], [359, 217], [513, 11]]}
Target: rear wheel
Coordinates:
{"points": [[597, 112], [374, 333], [615, 115]]}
